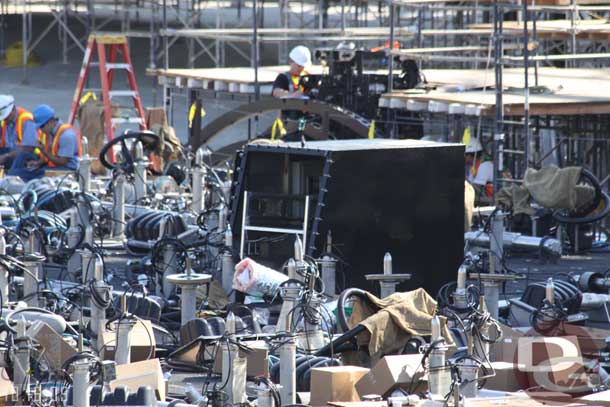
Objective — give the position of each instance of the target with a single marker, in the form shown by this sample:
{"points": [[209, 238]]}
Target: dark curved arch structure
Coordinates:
{"points": [[358, 125]]}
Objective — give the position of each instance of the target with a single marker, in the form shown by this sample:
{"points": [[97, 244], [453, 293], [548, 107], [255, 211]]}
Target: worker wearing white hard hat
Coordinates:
{"points": [[287, 85], [18, 132], [479, 173]]}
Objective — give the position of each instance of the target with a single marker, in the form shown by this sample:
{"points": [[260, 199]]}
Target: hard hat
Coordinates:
{"points": [[42, 114], [300, 55], [7, 103], [473, 146]]}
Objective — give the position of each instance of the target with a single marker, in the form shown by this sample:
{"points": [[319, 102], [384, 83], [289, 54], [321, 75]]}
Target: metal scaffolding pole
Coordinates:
{"points": [[24, 41], [526, 90], [390, 126], [257, 90], [498, 138]]}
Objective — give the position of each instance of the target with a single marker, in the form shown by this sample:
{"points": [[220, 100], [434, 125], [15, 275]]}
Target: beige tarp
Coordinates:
{"points": [[391, 321], [551, 187]]}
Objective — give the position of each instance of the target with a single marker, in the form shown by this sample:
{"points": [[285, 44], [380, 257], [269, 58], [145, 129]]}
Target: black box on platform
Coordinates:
{"points": [[405, 197]]}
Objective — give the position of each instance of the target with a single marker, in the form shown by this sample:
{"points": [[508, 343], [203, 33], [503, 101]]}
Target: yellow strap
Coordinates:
{"points": [[85, 98], [278, 124], [192, 111], [466, 136], [372, 130]]}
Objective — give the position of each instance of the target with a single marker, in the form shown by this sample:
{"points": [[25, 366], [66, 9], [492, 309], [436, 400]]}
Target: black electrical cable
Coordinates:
{"points": [[548, 318], [346, 294], [180, 254], [104, 299], [559, 217], [272, 388], [445, 293]]}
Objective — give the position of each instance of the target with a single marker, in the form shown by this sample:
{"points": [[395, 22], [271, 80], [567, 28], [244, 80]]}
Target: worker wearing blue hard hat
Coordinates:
{"points": [[18, 132], [59, 148]]}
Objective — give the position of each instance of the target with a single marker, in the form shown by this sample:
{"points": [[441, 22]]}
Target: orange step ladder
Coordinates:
{"points": [[109, 44]]}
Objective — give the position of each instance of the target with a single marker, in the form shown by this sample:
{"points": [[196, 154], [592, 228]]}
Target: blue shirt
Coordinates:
{"points": [[30, 134], [68, 146]]}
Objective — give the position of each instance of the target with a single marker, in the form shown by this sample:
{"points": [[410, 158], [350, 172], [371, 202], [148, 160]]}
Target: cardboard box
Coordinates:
{"points": [[601, 398], [7, 388], [141, 339], [505, 350], [55, 348], [335, 383], [391, 372], [257, 360], [520, 400], [506, 378], [558, 361], [143, 373], [591, 340]]}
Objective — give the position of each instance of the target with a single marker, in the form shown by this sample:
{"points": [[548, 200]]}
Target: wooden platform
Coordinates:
{"points": [[235, 80], [290, 34], [598, 29], [566, 92]]}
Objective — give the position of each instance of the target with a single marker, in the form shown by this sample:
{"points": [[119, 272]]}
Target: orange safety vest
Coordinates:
{"points": [[489, 188], [55, 146], [22, 116]]}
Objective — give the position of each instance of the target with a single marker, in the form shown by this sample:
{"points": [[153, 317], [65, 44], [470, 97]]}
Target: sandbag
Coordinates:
{"points": [[551, 187], [90, 116], [170, 146], [469, 198]]}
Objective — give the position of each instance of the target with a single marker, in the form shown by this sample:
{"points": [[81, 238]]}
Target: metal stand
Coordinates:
{"points": [[439, 376], [81, 391], [74, 234], [496, 245], [387, 280], [140, 166], [21, 363], [31, 279], [288, 352], [188, 283], [199, 173], [84, 167], [491, 287], [33, 244], [170, 262], [290, 295], [329, 268], [118, 209], [98, 311], [123, 346], [234, 365], [312, 338], [460, 296], [4, 275], [329, 273], [228, 265]]}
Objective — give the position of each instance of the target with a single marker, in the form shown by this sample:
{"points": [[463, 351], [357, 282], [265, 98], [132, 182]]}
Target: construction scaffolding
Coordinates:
{"points": [[535, 38], [208, 28]]}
